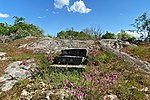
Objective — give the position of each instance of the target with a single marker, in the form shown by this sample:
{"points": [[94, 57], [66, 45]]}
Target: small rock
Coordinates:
{"points": [[22, 46], [42, 84], [59, 94], [3, 58], [111, 97], [24, 93], [2, 53], [144, 89], [29, 86], [8, 85]]}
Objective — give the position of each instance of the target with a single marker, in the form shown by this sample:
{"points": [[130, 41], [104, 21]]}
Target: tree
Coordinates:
{"points": [[20, 29], [4, 29], [71, 34], [108, 35], [18, 19], [94, 30], [142, 25], [123, 35]]}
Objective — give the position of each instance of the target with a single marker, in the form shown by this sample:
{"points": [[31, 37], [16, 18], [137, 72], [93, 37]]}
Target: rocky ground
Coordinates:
{"points": [[21, 59]]}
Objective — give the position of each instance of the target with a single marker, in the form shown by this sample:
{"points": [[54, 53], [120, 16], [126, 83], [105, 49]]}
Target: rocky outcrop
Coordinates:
{"points": [[114, 43], [50, 45], [126, 57], [16, 72]]}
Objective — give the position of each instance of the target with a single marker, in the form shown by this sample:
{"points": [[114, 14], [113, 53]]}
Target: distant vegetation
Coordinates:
{"points": [[89, 33], [92, 34], [142, 25], [20, 29], [72, 34], [125, 36], [108, 35]]}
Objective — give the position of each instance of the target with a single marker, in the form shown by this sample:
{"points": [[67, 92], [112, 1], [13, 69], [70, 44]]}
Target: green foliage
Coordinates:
{"points": [[56, 76], [4, 29], [125, 36], [20, 29], [131, 39], [142, 24], [108, 35], [71, 34]]}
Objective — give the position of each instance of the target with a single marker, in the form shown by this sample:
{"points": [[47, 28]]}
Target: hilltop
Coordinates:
{"points": [[109, 73]]}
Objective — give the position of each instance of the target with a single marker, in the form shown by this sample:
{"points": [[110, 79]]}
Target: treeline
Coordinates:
{"points": [[141, 25], [19, 29], [94, 33]]}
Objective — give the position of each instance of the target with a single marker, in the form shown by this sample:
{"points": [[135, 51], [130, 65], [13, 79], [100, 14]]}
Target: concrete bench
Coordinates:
{"points": [[71, 58]]}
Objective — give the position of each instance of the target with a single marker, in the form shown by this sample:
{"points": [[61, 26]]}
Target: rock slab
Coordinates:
{"points": [[16, 72]]}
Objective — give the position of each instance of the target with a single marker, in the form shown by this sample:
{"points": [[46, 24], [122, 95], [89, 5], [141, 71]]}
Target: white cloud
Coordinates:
{"points": [[135, 34], [79, 7], [61, 3], [3, 15], [40, 17]]}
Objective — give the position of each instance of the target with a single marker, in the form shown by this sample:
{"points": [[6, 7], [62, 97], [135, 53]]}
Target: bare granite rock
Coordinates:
{"points": [[49, 45], [15, 72], [114, 43], [126, 57]]}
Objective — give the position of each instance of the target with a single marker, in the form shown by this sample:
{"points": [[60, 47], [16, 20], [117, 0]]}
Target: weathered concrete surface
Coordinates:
{"points": [[126, 57], [16, 72], [68, 66]]}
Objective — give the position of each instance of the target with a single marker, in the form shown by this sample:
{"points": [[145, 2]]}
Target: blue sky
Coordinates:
{"points": [[55, 15]]}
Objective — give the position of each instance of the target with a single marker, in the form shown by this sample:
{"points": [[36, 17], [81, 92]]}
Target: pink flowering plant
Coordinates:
{"points": [[49, 58], [92, 84]]}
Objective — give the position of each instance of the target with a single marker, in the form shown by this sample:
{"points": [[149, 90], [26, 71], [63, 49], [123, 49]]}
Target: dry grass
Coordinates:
{"points": [[141, 52], [15, 53]]}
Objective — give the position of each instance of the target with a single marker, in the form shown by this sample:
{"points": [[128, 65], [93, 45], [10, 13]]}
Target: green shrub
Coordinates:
{"points": [[20, 29], [71, 34], [108, 35]]}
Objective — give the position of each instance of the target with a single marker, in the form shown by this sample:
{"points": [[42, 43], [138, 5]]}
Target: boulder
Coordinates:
{"points": [[16, 72], [114, 43]]}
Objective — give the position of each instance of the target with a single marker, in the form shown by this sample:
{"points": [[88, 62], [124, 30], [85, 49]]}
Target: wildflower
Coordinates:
{"points": [[49, 58], [66, 82], [103, 76], [96, 81], [87, 77]]}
